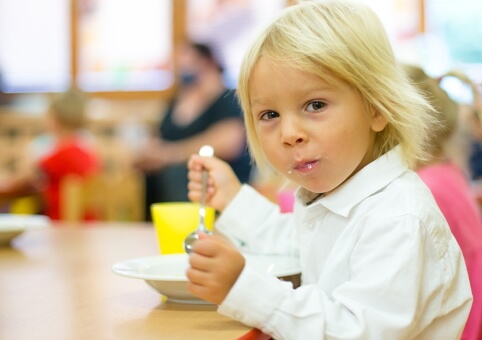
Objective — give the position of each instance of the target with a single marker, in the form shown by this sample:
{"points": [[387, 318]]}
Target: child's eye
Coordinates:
{"points": [[269, 115], [315, 106]]}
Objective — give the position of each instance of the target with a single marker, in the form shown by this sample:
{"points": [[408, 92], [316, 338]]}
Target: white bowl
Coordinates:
{"points": [[167, 273], [12, 225]]}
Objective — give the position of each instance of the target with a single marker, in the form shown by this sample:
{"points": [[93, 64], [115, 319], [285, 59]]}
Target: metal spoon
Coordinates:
{"points": [[205, 151]]}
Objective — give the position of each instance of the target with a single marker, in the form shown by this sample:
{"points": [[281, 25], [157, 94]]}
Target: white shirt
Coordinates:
{"points": [[377, 256]]}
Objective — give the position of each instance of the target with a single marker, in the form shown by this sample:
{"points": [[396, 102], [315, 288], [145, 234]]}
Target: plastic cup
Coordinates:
{"points": [[173, 221]]}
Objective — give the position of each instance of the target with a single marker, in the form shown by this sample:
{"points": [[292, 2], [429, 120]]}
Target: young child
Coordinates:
{"points": [[327, 107], [452, 192], [60, 152]]}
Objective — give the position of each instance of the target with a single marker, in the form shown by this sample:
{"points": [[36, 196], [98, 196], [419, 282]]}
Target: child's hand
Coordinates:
{"points": [[215, 267], [223, 184]]}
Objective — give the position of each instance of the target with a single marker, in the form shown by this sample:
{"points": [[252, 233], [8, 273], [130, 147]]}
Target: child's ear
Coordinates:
{"points": [[378, 122]]}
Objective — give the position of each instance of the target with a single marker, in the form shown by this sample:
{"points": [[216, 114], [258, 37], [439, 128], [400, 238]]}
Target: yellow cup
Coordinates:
{"points": [[173, 221]]}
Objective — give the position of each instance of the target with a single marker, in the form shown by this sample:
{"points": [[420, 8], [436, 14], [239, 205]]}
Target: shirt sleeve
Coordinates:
{"points": [[256, 225], [396, 284]]}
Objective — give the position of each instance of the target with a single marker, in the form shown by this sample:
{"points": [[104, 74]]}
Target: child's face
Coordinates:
{"points": [[315, 134]]}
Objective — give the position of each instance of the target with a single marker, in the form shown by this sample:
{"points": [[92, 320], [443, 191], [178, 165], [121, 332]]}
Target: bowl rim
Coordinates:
{"points": [[132, 268], [21, 222], [136, 264]]}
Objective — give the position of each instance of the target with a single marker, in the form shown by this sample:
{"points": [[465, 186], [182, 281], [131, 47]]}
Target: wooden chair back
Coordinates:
{"points": [[106, 197]]}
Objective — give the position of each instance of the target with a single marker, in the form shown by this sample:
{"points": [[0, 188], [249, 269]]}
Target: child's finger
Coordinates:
{"points": [[197, 276], [194, 186], [203, 236], [195, 162], [207, 245], [195, 176], [200, 262]]}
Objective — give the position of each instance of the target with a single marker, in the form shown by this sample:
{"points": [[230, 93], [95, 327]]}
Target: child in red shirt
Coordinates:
{"points": [[64, 151]]}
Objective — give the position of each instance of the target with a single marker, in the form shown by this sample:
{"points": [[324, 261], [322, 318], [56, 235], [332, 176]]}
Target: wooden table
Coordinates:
{"points": [[57, 283]]}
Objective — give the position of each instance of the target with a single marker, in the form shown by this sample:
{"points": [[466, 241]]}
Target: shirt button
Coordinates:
{"points": [[309, 226], [238, 315]]}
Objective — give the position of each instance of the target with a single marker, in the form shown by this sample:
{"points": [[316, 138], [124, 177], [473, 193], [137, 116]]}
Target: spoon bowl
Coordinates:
{"points": [[191, 238]]}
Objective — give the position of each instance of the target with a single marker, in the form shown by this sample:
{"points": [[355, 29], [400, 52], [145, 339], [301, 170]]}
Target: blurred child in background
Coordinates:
{"points": [[470, 112], [62, 151], [450, 186]]}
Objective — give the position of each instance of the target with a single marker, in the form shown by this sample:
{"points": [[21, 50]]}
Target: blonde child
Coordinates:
{"points": [[327, 107]]}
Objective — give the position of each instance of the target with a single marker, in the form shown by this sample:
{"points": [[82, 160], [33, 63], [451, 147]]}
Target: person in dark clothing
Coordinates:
{"points": [[203, 112]]}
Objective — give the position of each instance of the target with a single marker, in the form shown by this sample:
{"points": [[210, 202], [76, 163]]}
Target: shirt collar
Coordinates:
{"points": [[372, 178]]}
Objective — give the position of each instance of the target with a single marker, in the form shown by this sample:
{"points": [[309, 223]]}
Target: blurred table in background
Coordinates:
{"points": [[57, 283]]}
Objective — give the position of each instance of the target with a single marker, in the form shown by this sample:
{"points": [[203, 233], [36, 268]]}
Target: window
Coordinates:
{"points": [[228, 27], [105, 46], [34, 45], [453, 37], [125, 45], [402, 22]]}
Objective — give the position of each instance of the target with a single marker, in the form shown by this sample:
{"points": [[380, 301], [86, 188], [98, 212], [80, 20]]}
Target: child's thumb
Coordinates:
{"points": [[203, 236]]}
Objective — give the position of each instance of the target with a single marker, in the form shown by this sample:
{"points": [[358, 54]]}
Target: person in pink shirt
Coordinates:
{"points": [[452, 191]]}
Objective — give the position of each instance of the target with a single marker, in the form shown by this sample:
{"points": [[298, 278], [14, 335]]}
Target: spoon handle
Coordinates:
{"points": [[202, 209]]}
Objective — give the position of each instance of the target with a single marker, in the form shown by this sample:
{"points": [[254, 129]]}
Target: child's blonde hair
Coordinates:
{"points": [[68, 108], [340, 40]]}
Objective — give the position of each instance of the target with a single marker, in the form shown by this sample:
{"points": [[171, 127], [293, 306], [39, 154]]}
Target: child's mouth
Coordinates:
{"points": [[305, 166]]}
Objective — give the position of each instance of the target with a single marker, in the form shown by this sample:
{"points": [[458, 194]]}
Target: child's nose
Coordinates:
{"points": [[292, 133]]}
